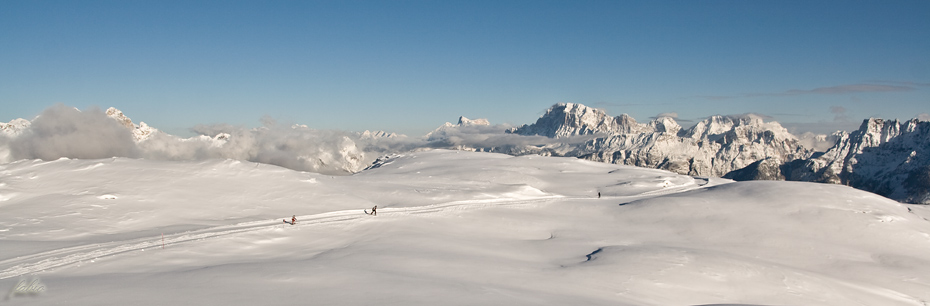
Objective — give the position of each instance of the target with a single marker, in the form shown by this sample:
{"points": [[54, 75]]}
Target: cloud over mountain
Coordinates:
{"points": [[62, 131]]}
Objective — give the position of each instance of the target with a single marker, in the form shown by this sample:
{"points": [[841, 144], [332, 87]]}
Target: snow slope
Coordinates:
{"points": [[453, 228]]}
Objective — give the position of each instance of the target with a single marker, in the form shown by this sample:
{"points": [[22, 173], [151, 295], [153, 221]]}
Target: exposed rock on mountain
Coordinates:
{"points": [[448, 129], [887, 157], [14, 127], [570, 119], [712, 147], [378, 134], [767, 169], [140, 132]]}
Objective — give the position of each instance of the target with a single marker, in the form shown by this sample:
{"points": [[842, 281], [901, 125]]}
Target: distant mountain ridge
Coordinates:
{"points": [[712, 147], [887, 157]]}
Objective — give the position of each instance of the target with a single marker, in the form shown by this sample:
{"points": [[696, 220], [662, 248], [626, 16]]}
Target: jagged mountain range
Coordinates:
{"points": [[887, 157], [712, 147]]}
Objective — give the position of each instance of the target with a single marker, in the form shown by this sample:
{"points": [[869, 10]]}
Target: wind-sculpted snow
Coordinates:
{"points": [[453, 227]]}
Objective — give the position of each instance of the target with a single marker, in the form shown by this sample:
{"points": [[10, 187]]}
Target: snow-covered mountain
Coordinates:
{"points": [[140, 132], [14, 127], [888, 157], [712, 147], [445, 130], [571, 119]]}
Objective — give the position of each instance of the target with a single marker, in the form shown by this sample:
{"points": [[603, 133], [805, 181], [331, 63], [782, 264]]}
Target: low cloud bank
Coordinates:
{"points": [[298, 148], [62, 131], [323, 151]]}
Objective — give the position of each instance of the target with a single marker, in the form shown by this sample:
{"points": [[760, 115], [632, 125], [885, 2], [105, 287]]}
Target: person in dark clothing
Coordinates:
{"points": [[374, 210]]}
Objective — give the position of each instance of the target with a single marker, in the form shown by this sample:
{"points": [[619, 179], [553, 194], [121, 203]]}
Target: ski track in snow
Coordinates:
{"points": [[59, 258], [44, 261]]}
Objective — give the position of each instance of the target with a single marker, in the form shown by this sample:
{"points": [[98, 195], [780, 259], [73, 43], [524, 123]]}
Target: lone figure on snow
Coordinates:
{"points": [[374, 210], [293, 219]]}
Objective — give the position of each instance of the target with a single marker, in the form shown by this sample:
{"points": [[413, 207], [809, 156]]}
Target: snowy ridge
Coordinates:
{"points": [[888, 157], [444, 131], [378, 134], [475, 228], [468, 122], [884, 156], [14, 128], [712, 147], [571, 119], [140, 132], [8, 131]]}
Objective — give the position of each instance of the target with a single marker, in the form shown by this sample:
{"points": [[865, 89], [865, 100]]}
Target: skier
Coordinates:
{"points": [[598, 194], [374, 210], [293, 219]]}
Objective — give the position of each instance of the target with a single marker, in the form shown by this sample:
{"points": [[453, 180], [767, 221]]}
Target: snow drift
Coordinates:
{"points": [[453, 227]]}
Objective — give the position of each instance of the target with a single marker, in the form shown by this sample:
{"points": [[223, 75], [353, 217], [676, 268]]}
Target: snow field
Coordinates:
{"points": [[453, 228]]}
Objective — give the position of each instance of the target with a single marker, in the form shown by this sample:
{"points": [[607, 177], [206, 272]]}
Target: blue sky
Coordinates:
{"points": [[409, 66]]}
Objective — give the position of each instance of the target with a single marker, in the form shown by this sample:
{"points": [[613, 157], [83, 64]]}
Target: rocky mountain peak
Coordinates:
{"points": [[378, 134], [887, 157], [571, 119], [469, 122], [713, 125], [14, 127], [448, 128], [140, 132], [120, 117], [665, 125]]}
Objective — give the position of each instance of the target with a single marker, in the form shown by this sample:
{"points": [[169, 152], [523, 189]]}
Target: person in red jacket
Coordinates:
{"points": [[293, 220]]}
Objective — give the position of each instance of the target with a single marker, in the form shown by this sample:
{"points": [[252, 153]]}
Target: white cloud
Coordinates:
{"points": [[672, 115], [839, 113], [844, 89], [830, 90], [62, 131]]}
